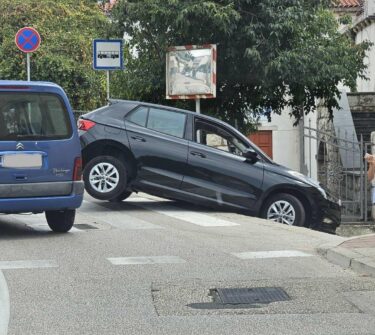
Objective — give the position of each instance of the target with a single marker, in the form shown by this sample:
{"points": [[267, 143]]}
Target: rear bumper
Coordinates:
{"points": [[44, 203]]}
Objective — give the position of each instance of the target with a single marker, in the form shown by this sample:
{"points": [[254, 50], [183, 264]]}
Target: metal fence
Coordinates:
{"points": [[337, 162]]}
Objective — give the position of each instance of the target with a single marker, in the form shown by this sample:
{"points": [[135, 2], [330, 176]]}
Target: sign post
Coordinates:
{"points": [[191, 73], [108, 55], [28, 40]]}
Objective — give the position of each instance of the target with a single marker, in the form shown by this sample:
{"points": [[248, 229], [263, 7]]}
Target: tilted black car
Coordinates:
{"points": [[131, 146]]}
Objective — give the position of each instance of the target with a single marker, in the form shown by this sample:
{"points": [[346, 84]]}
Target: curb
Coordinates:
{"points": [[348, 259]]}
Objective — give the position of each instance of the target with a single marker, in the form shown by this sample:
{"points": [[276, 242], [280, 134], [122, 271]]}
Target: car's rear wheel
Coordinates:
{"points": [[61, 221], [284, 208], [105, 177]]}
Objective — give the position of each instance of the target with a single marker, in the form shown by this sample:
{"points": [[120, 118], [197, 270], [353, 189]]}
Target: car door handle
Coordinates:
{"points": [[194, 153], [138, 138]]}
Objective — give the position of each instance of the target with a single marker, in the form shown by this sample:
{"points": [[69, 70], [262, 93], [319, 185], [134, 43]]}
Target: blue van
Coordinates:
{"points": [[40, 153]]}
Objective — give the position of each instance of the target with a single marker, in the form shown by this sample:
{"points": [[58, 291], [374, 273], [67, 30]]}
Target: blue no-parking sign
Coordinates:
{"points": [[27, 39]]}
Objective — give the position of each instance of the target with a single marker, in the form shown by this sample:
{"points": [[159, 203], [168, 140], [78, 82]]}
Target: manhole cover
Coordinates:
{"points": [[257, 295], [84, 226]]}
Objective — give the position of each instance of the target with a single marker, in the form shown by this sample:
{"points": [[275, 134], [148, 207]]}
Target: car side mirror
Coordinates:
{"points": [[251, 156]]}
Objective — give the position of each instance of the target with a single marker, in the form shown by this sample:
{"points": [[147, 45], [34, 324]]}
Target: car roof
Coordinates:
{"points": [[28, 83], [141, 103]]}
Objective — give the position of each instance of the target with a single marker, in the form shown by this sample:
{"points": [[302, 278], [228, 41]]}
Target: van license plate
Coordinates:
{"points": [[22, 161]]}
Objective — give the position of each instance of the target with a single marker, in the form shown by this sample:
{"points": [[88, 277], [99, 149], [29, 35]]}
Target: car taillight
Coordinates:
{"points": [[77, 171], [85, 125]]}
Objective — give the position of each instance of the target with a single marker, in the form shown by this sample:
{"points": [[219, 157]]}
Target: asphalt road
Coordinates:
{"points": [[150, 266]]}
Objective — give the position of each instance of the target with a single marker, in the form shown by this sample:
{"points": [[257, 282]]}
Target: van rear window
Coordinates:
{"points": [[33, 116]]}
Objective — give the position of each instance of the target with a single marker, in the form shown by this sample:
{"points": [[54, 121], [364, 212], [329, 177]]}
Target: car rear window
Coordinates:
{"points": [[33, 116]]}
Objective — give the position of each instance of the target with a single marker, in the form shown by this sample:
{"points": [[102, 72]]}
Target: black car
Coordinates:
{"points": [[131, 146]]}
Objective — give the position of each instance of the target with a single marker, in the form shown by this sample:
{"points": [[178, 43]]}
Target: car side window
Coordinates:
{"points": [[139, 116], [167, 122], [218, 137]]}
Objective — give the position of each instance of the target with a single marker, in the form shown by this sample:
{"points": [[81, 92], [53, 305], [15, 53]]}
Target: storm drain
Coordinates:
{"points": [[84, 226], [249, 296]]}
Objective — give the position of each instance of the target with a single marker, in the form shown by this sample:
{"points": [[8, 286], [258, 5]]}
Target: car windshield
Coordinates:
{"points": [[33, 116]]}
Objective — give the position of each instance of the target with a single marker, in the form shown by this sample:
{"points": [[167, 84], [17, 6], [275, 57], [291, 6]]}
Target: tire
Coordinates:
{"points": [[105, 177], [124, 195], [61, 221], [284, 208]]}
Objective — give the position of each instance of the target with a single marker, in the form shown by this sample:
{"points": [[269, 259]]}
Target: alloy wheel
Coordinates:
{"points": [[283, 212], [104, 177]]}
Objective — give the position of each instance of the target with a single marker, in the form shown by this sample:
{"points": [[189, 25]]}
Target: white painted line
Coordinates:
{"points": [[271, 254], [119, 220], [33, 264], [181, 214], [4, 305], [146, 260]]}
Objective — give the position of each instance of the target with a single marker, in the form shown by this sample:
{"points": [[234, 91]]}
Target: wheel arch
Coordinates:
{"points": [[110, 148], [292, 191]]}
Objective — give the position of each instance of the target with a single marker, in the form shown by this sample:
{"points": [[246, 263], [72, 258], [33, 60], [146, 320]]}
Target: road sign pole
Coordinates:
{"points": [[107, 85], [28, 67], [198, 105]]}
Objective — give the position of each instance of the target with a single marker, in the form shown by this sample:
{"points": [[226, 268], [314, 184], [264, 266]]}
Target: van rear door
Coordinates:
{"points": [[35, 138]]}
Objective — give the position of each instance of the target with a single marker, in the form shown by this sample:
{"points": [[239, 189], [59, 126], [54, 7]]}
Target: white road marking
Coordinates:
{"points": [[4, 305], [119, 220], [271, 254], [180, 214], [146, 260], [30, 264]]}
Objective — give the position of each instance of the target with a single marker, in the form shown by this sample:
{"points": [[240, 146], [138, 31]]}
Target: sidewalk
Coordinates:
{"points": [[357, 253]]}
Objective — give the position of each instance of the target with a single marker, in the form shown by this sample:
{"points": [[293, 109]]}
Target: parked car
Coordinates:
{"points": [[131, 146], [40, 153]]}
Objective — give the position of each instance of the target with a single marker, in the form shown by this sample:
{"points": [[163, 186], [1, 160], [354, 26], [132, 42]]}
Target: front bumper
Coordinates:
{"points": [[326, 215]]}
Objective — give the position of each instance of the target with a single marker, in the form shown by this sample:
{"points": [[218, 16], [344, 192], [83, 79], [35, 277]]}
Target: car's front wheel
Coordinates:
{"points": [[105, 177], [61, 221], [284, 208]]}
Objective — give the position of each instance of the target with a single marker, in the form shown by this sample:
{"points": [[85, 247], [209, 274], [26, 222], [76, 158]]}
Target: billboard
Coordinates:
{"points": [[191, 72]]}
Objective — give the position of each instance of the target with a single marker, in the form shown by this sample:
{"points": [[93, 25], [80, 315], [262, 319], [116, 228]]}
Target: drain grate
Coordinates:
{"points": [[84, 226], [246, 296]]}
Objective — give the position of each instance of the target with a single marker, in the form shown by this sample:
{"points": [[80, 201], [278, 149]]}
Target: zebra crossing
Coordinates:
{"points": [[95, 213]]}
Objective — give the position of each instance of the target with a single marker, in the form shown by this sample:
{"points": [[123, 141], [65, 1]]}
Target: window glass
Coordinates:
{"points": [[167, 122], [33, 116], [139, 116], [217, 137]]}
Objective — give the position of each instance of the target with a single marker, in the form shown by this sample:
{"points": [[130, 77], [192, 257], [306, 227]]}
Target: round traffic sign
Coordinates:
{"points": [[27, 39]]}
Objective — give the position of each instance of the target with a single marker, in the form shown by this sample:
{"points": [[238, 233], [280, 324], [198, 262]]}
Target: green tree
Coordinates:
{"points": [[272, 54], [67, 28]]}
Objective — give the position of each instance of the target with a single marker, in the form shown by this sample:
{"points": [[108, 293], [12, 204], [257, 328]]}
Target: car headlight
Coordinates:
{"points": [[309, 181]]}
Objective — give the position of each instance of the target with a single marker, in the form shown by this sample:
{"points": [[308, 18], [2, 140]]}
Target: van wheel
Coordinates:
{"points": [[61, 221], [284, 208], [124, 195], [105, 177]]}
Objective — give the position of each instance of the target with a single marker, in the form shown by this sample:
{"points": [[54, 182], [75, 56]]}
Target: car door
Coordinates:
{"points": [[156, 138], [217, 171]]}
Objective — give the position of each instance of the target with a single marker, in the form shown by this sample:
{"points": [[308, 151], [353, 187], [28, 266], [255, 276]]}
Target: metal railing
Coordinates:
{"points": [[337, 162]]}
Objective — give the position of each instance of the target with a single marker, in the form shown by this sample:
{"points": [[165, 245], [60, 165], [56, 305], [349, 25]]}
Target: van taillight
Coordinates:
{"points": [[85, 125], [77, 172]]}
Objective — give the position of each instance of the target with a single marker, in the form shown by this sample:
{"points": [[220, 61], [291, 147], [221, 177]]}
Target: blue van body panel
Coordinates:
{"points": [[58, 158]]}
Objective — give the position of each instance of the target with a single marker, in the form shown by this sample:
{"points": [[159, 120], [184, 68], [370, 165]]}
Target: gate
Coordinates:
{"points": [[336, 161]]}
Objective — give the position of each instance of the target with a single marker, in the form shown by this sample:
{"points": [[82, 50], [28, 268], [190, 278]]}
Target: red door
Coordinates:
{"points": [[263, 139]]}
